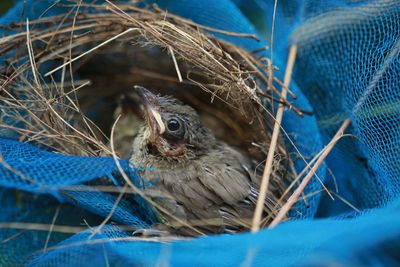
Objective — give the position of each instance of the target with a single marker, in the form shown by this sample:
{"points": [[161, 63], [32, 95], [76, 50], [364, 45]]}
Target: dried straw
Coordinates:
{"points": [[47, 110]]}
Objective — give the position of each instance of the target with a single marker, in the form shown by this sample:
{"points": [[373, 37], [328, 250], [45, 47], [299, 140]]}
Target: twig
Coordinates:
{"points": [[272, 33], [116, 239], [31, 54], [42, 227], [271, 152], [175, 63], [293, 198], [8, 239], [113, 208], [52, 226], [345, 201], [207, 28], [15, 171], [90, 50]]}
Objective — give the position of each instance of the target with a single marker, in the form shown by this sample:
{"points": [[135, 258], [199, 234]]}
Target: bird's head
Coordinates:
{"points": [[171, 129]]}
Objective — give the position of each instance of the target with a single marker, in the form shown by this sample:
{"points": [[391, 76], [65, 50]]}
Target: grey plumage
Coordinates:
{"points": [[196, 178]]}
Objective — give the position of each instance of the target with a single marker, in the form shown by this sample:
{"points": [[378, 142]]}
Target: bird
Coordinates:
{"points": [[197, 181]]}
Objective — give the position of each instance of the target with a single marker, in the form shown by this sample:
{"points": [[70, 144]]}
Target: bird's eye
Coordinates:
{"points": [[173, 125], [175, 129]]}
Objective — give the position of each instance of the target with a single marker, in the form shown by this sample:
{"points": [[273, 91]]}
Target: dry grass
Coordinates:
{"points": [[51, 109], [54, 116]]}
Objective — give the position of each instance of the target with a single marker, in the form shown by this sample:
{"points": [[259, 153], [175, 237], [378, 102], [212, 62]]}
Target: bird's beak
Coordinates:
{"points": [[151, 111]]}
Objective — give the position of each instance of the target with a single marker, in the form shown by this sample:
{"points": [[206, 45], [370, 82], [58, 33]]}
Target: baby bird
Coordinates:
{"points": [[197, 179]]}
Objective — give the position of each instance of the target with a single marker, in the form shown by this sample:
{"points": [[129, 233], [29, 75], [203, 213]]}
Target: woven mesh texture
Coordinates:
{"points": [[348, 66]]}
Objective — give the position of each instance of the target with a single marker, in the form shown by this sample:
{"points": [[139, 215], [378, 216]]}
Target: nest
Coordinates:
{"points": [[64, 75]]}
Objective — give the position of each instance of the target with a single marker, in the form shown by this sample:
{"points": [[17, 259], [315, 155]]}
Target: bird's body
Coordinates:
{"points": [[214, 189], [196, 178]]}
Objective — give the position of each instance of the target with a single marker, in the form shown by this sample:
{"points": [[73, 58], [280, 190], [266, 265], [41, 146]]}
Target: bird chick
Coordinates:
{"points": [[198, 179]]}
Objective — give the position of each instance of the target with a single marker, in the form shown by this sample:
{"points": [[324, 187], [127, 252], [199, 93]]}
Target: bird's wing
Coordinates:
{"points": [[222, 173], [236, 184]]}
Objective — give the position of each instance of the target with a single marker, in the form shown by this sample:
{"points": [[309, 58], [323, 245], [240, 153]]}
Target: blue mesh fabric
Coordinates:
{"points": [[101, 204], [353, 242], [33, 169], [347, 66]]}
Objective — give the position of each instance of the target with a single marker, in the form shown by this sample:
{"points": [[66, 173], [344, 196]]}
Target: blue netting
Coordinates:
{"points": [[348, 65]]}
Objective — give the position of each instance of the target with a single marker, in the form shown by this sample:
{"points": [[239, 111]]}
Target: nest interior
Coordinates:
{"points": [[64, 76]]}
